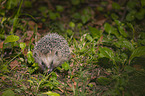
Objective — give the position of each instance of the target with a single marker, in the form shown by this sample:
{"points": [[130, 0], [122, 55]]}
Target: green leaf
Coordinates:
{"points": [[54, 76], [89, 37], [79, 25], [69, 31], [143, 2], [50, 93], [108, 27], [115, 5], [114, 16], [53, 15], [131, 16], [77, 15], [27, 3], [99, 8], [11, 38], [65, 66], [75, 2], [72, 24], [22, 46], [140, 15], [111, 30], [12, 3], [95, 32], [30, 81], [106, 52], [103, 80], [122, 32], [85, 18], [43, 9], [30, 57], [129, 69], [128, 45], [118, 22], [59, 8], [91, 85], [8, 93], [131, 4], [137, 52]]}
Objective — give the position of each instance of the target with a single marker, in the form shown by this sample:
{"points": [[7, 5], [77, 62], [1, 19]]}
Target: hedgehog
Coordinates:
{"points": [[51, 51]]}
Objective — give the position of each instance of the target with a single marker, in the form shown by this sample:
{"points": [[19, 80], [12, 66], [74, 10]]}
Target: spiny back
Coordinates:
{"points": [[52, 41]]}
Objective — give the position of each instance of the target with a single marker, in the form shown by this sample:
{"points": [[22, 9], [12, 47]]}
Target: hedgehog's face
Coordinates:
{"points": [[50, 60]]}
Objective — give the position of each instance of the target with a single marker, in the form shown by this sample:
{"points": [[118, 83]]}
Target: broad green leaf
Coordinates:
{"points": [[79, 26], [106, 52], [72, 24], [8, 93], [54, 76], [27, 3], [11, 38], [140, 15], [137, 52], [95, 32], [111, 30], [122, 32], [108, 27], [128, 45], [30, 57], [75, 2], [103, 80], [131, 16], [53, 15], [43, 9], [85, 18], [124, 43], [131, 4], [91, 85], [124, 56], [143, 2], [11, 4], [77, 15], [99, 8], [115, 5], [69, 31], [89, 37], [65, 66], [118, 22], [22, 46], [129, 69], [114, 16], [50, 93], [59, 8]]}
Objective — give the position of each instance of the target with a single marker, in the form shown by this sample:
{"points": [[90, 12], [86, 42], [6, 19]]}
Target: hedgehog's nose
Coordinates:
{"points": [[49, 71]]}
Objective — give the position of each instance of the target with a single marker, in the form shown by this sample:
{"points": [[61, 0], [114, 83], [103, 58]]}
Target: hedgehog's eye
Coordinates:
{"points": [[43, 64], [35, 54], [56, 53], [51, 63]]}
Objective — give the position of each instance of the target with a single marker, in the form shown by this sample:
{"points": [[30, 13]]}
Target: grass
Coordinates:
{"points": [[106, 61]]}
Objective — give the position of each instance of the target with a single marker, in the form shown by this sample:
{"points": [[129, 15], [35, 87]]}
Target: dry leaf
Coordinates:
{"points": [[32, 24], [137, 67], [1, 45], [3, 78], [40, 25], [100, 21], [14, 63]]}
